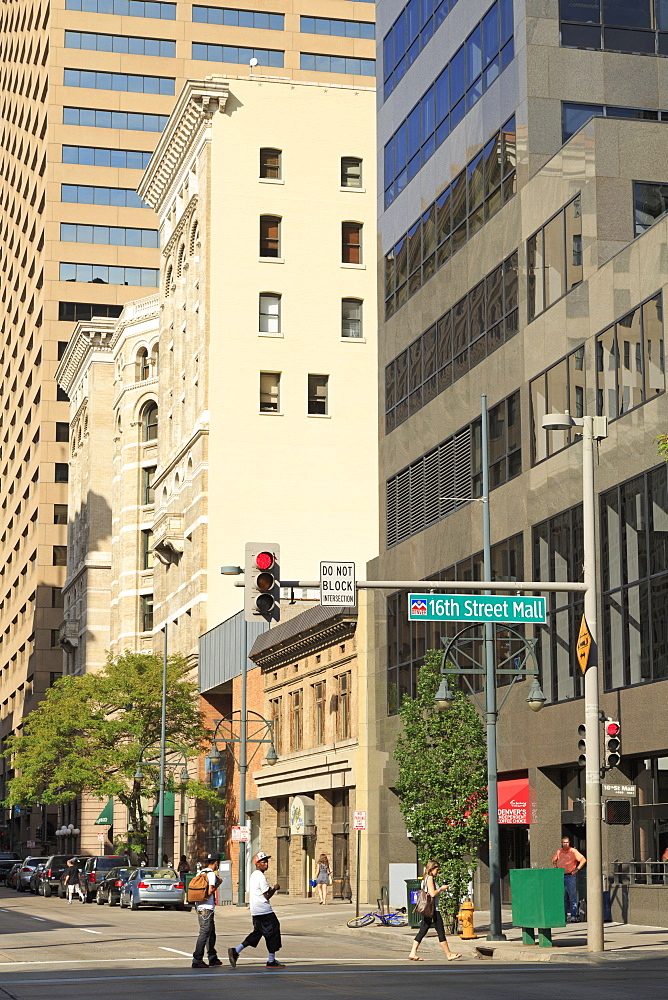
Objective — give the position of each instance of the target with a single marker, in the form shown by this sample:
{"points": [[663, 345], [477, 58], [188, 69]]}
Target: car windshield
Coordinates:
{"points": [[106, 864], [157, 873]]}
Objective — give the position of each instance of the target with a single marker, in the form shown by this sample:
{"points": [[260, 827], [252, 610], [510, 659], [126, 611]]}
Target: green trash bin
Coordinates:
{"points": [[538, 902], [187, 879], [412, 890]]}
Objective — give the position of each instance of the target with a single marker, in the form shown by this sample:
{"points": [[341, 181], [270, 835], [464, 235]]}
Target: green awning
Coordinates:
{"points": [[169, 805], [106, 817]]}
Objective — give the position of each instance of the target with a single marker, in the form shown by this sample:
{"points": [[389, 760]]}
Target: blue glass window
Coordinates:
{"points": [[409, 34], [95, 80], [134, 121], [238, 18], [574, 115], [331, 26], [161, 47], [237, 54], [86, 194], [337, 64], [637, 26], [104, 274], [116, 236], [128, 8], [91, 156]]}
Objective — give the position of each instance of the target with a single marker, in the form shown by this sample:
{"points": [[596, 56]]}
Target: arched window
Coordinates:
{"points": [[270, 236], [351, 318], [150, 422], [155, 360], [351, 242], [270, 312], [270, 164], [351, 172], [143, 370]]}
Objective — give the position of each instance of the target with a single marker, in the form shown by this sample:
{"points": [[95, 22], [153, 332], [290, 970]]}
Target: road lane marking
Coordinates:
{"points": [[87, 930], [176, 952], [43, 919]]}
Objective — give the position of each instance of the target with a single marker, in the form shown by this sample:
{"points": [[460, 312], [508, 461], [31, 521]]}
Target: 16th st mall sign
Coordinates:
{"points": [[467, 608]]}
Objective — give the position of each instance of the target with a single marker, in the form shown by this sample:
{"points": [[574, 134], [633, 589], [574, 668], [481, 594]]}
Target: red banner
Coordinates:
{"points": [[514, 801]]}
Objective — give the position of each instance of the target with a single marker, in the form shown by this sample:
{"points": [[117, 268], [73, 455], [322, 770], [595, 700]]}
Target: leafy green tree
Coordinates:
{"points": [[442, 784], [88, 732], [662, 443]]}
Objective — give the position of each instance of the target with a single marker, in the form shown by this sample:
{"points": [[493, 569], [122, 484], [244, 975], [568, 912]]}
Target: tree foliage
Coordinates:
{"points": [[88, 732], [442, 784], [662, 445]]}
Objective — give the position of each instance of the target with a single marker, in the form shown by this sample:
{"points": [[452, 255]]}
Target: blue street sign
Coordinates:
{"points": [[476, 608]]}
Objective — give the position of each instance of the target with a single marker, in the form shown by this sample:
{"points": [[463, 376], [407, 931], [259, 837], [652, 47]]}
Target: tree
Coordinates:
{"points": [[88, 732], [442, 784], [662, 443]]}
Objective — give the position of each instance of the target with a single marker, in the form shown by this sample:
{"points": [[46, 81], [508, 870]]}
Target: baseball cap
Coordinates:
{"points": [[210, 858], [261, 856]]}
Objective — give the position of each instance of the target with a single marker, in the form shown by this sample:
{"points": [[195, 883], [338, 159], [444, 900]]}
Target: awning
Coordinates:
{"points": [[169, 805], [106, 817], [514, 801]]}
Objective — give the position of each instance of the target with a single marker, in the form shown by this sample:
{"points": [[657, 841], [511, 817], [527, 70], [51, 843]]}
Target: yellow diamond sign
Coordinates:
{"points": [[584, 645]]}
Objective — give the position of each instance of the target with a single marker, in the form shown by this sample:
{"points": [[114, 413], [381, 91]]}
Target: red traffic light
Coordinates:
{"points": [[264, 560], [612, 729]]}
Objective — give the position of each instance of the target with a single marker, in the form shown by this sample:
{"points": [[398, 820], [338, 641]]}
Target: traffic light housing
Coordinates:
{"points": [[262, 582], [582, 745], [617, 812], [613, 743]]}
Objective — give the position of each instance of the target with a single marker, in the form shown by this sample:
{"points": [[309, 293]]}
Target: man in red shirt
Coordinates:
{"points": [[571, 861]]}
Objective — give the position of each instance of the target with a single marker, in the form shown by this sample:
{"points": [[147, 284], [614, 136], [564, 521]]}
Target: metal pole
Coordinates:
{"points": [[357, 890], [495, 922], [593, 751], [163, 732], [243, 763]]}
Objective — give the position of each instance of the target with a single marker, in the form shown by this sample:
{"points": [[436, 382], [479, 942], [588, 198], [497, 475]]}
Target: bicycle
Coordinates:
{"points": [[396, 918]]}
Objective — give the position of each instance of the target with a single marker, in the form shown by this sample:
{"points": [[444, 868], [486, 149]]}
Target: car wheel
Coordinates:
{"points": [[134, 905], [179, 906], [123, 904], [98, 898], [48, 891], [112, 901]]}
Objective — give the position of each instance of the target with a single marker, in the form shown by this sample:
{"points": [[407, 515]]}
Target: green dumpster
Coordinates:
{"points": [[538, 902], [412, 891]]}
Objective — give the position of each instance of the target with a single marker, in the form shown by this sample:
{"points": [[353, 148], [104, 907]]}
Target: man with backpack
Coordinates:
{"points": [[202, 891]]}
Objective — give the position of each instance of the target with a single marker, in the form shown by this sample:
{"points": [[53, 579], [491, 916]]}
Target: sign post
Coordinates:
{"points": [[240, 834], [359, 824], [337, 584]]}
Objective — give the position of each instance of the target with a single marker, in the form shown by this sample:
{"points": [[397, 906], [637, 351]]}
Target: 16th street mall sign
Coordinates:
{"points": [[466, 608]]}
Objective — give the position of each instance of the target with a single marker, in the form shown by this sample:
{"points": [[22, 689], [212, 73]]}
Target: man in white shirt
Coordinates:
{"points": [[265, 921], [206, 919]]}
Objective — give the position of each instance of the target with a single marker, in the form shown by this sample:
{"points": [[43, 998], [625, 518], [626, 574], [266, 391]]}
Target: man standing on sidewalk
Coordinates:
{"points": [[265, 921], [571, 861], [206, 918]]}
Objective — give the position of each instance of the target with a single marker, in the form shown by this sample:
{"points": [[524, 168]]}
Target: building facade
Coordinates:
{"points": [[521, 201]]}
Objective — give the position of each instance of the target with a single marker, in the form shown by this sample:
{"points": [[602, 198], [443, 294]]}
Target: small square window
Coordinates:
{"points": [[270, 164], [270, 392], [148, 475], [146, 612], [351, 243], [317, 394], [62, 431], [62, 472], [270, 236], [60, 555], [60, 513], [351, 318], [147, 549], [351, 172], [270, 312]]}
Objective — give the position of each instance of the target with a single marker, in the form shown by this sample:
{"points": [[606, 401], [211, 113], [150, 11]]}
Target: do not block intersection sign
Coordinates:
{"points": [[337, 584]]}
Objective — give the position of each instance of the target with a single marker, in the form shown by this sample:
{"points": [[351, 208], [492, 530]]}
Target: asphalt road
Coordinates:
{"points": [[52, 951]]}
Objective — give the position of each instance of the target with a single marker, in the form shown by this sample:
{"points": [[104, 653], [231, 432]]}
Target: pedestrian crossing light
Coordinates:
{"points": [[582, 745], [262, 582], [613, 743]]}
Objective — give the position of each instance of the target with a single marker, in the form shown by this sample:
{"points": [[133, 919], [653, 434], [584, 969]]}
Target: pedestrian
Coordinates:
{"points": [[265, 921], [431, 870], [571, 861], [165, 862], [206, 918], [73, 881], [322, 879], [184, 867]]}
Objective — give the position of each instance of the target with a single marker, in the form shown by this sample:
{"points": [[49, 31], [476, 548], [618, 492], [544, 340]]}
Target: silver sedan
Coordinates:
{"points": [[153, 887]]}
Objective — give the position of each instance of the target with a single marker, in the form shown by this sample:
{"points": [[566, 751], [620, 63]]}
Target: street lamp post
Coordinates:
{"points": [[593, 429], [163, 733], [169, 755]]}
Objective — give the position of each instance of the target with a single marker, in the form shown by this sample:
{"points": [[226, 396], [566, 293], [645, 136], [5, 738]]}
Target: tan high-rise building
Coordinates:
{"points": [[86, 87]]}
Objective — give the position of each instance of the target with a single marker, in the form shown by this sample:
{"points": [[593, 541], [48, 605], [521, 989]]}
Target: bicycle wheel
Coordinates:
{"points": [[361, 921], [397, 920]]}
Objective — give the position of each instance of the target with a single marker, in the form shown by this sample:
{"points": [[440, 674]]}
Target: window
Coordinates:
{"points": [[270, 312], [231, 17], [637, 26], [60, 555], [60, 513], [351, 172], [351, 243], [146, 612], [62, 431], [460, 339], [630, 360], [317, 394], [85, 194], [296, 720], [270, 392], [92, 156], [62, 471], [134, 121], [336, 64], [504, 442], [116, 236], [142, 366], [319, 713], [476, 194], [129, 8], [351, 318], [61, 395], [574, 116], [128, 45], [147, 477], [72, 312], [650, 202], [57, 599], [103, 274], [270, 236], [98, 80], [343, 707], [55, 644], [270, 164], [554, 258], [237, 54], [150, 422], [331, 26], [561, 387], [275, 719], [146, 549]]}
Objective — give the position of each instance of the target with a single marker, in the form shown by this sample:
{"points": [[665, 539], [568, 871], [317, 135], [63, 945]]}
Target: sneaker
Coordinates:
{"points": [[232, 957], [274, 965], [215, 961], [200, 965]]}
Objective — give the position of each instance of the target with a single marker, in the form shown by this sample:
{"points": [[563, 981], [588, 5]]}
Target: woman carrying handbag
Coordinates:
{"points": [[323, 878], [426, 906]]}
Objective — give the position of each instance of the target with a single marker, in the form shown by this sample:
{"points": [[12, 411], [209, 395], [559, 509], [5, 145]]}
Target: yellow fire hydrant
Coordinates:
{"points": [[465, 914]]}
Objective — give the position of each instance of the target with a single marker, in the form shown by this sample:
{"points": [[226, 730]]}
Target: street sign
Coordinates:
{"points": [[30, 843], [337, 584], [359, 820], [240, 834], [469, 608], [101, 837], [583, 645]]}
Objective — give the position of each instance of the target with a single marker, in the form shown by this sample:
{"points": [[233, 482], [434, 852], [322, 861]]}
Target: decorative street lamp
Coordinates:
{"points": [[169, 754]]}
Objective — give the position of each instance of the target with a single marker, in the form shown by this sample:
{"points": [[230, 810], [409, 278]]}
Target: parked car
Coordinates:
{"points": [[109, 889], [95, 870], [12, 875], [7, 861], [153, 887], [36, 877], [79, 861], [50, 877], [25, 873]]}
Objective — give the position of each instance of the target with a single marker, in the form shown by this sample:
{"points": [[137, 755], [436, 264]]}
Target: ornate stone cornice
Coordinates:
{"points": [[93, 336], [191, 117]]}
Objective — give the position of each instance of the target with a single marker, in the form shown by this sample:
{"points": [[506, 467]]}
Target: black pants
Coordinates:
{"points": [[435, 921], [207, 935], [265, 926]]}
